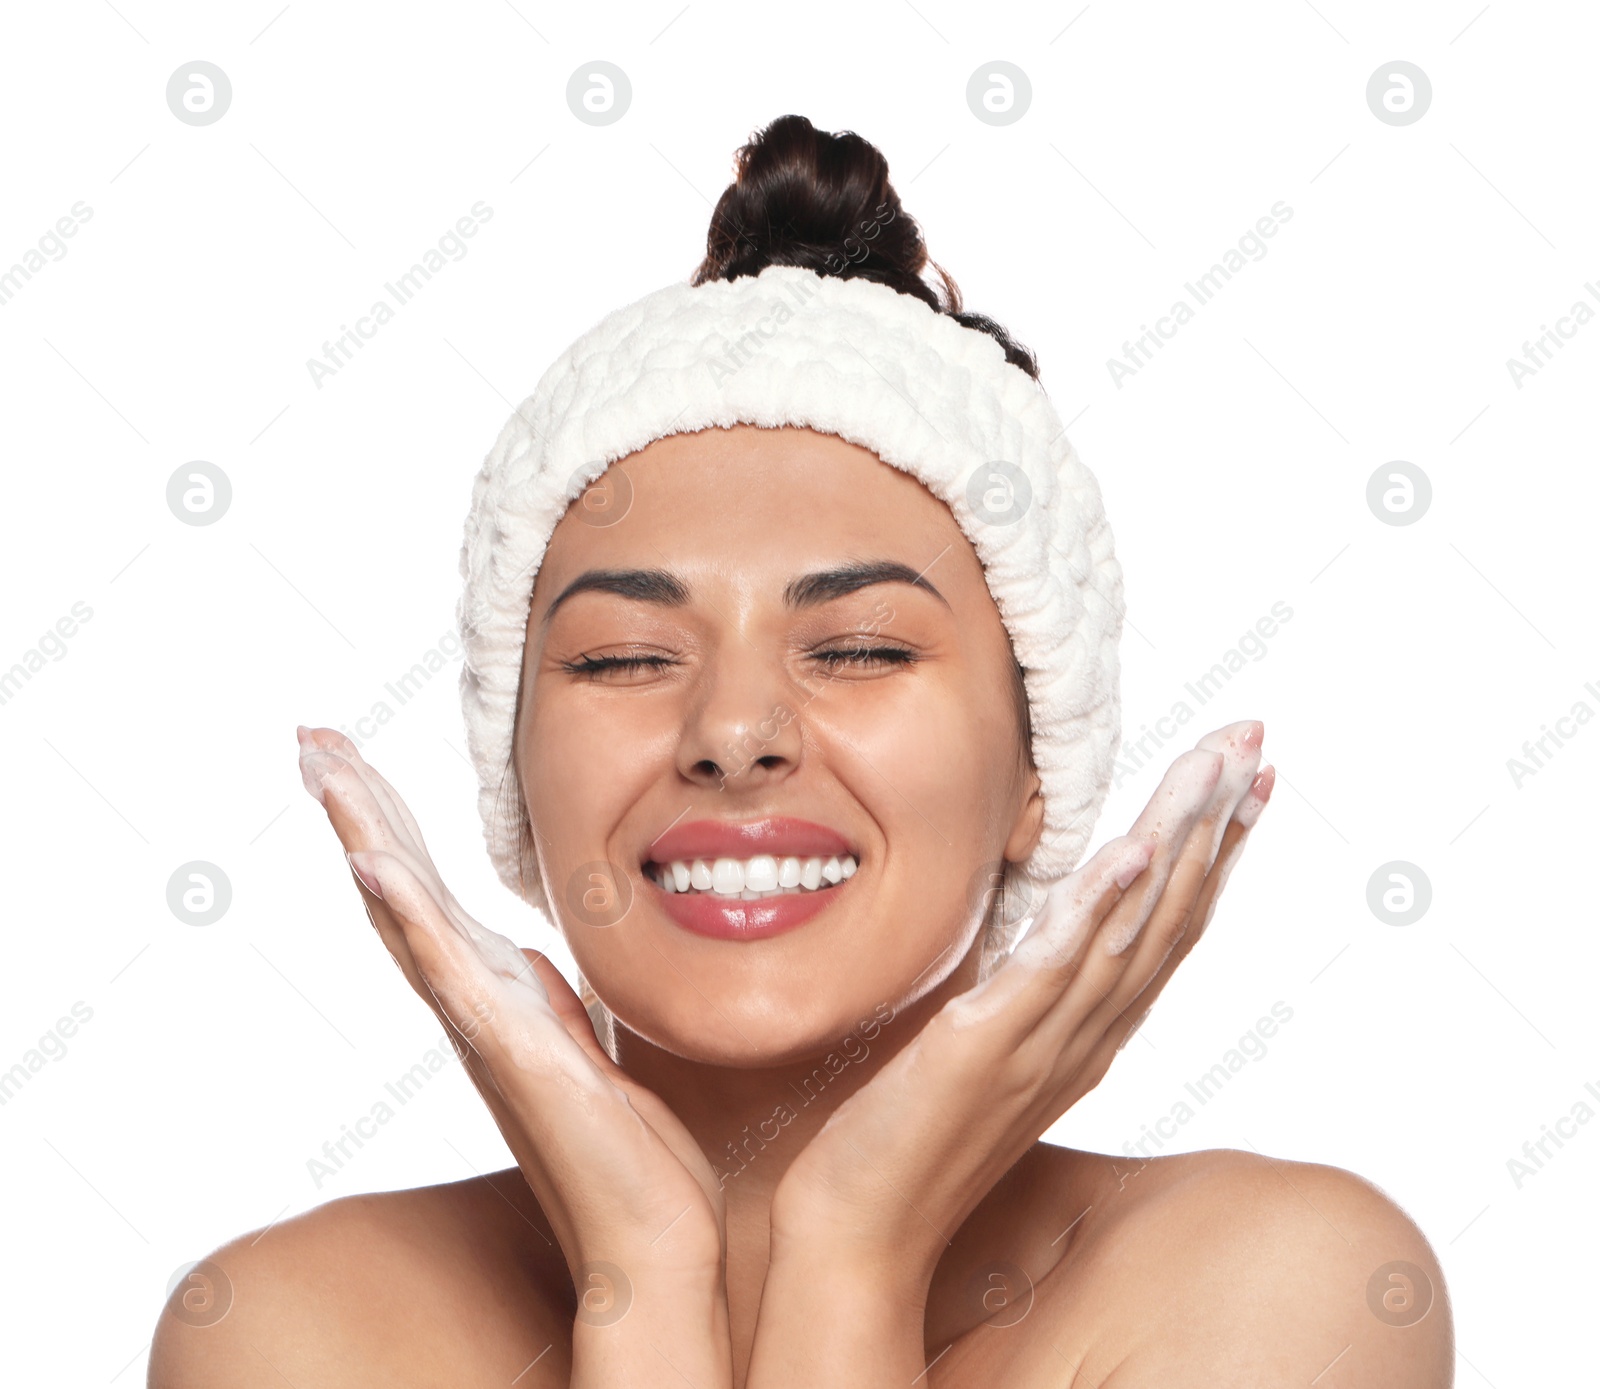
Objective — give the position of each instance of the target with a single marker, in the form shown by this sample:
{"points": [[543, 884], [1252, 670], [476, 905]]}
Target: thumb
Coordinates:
{"points": [[569, 1008]]}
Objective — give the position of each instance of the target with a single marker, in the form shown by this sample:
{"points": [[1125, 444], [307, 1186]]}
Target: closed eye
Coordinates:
{"points": [[865, 656], [595, 665], [839, 657]]}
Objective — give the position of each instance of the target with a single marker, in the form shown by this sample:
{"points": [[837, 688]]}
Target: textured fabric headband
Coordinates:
{"points": [[877, 368]]}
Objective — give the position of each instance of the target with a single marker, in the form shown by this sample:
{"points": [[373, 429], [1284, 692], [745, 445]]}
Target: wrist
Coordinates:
{"points": [[855, 1270], [874, 1312], [635, 1318], [603, 1277], [897, 1267], [686, 1249]]}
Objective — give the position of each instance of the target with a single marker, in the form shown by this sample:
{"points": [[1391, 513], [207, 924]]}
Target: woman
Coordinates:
{"points": [[791, 683]]}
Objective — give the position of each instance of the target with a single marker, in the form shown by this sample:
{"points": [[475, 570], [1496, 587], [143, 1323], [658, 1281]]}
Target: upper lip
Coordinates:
{"points": [[781, 836]]}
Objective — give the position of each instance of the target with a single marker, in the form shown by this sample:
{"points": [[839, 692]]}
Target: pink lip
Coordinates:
{"points": [[724, 918], [782, 836]]}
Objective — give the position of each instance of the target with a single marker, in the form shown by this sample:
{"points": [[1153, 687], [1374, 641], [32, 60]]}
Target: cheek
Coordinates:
{"points": [[931, 764], [583, 767]]}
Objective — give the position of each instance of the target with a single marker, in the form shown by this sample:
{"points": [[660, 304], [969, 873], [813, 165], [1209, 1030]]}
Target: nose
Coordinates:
{"points": [[742, 730]]}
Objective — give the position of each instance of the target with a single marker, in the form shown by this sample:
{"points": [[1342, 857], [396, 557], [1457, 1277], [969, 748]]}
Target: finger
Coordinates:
{"points": [[1256, 798], [549, 1099], [358, 817], [1149, 944], [525, 1071], [1131, 1018], [386, 797], [391, 929], [362, 816], [1181, 820], [1035, 991], [1234, 842], [1077, 905], [1240, 743], [363, 827], [1085, 1074], [663, 1121], [1190, 856], [1032, 977], [1084, 1057], [570, 1009], [360, 824], [377, 805], [492, 991], [395, 803], [492, 952], [1166, 823], [552, 1096]]}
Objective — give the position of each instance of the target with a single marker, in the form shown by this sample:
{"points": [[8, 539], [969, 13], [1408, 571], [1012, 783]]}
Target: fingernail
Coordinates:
{"points": [[368, 880], [1258, 731], [303, 733], [1256, 798]]}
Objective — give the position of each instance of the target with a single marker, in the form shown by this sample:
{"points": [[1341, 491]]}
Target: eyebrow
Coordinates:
{"points": [[808, 591]]}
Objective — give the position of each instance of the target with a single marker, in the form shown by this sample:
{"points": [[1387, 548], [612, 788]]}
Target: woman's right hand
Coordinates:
{"points": [[621, 1180]]}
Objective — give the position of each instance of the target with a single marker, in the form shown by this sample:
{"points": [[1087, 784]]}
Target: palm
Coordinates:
{"points": [[913, 1151], [593, 1144]]}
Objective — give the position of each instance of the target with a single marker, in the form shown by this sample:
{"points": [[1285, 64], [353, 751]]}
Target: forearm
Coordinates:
{"points": [[828, 1319], [649, 1327]]}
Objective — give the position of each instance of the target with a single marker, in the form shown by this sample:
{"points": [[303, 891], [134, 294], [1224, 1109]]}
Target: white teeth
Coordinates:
{"points": [[749, 879], [761, 874]]}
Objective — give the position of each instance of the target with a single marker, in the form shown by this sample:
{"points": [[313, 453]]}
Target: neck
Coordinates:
{"points": [[751, 1123]]}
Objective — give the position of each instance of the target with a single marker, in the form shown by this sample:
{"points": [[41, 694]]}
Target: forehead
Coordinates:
{"points": [[756, 499]]}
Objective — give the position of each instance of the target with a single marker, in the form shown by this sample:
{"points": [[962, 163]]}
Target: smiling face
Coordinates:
{"points": [[784, 653]]}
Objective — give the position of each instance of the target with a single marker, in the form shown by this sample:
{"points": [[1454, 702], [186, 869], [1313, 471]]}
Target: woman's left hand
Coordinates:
{"points": [[901, 1164]]}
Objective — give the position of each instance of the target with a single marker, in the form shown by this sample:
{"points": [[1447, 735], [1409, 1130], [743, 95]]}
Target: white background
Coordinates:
{"points": [[1418, 659]]}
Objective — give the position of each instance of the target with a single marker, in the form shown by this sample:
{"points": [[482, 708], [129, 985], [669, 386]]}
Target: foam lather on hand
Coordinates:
{"points": [[877, 368]]}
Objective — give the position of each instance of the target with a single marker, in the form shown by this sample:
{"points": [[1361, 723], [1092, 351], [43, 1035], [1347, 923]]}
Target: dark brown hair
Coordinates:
{"points": [[822, 200]]}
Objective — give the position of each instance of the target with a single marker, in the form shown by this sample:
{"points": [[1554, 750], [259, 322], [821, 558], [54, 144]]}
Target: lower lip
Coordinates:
{"points": [[729, 918]]}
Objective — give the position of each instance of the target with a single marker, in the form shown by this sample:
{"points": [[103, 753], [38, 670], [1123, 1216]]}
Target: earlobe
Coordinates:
{"points": [[1029, 826]]}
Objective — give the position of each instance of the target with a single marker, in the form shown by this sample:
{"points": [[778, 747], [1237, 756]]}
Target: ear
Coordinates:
{"points": [[1028, 827]]}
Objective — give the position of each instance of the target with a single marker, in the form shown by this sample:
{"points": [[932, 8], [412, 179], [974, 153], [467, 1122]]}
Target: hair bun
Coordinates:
{"points": [[822, 200]]}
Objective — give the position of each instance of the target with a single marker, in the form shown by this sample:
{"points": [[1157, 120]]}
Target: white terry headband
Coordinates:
{"points": [[878, 368]]}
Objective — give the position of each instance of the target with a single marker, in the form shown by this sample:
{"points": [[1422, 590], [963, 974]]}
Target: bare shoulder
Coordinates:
{"points": [[436, 1285], [1229, 1266]]}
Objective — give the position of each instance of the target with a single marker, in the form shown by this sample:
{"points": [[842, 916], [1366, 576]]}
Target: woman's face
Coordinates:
{"points": [[783, 649]]}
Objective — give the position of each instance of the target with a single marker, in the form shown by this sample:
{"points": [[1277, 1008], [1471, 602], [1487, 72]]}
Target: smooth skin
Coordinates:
{"points": [[905, 1224]]}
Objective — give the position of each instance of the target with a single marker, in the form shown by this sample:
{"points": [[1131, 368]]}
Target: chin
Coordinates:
{"points": [[745, 1028], [770, 1008]]}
